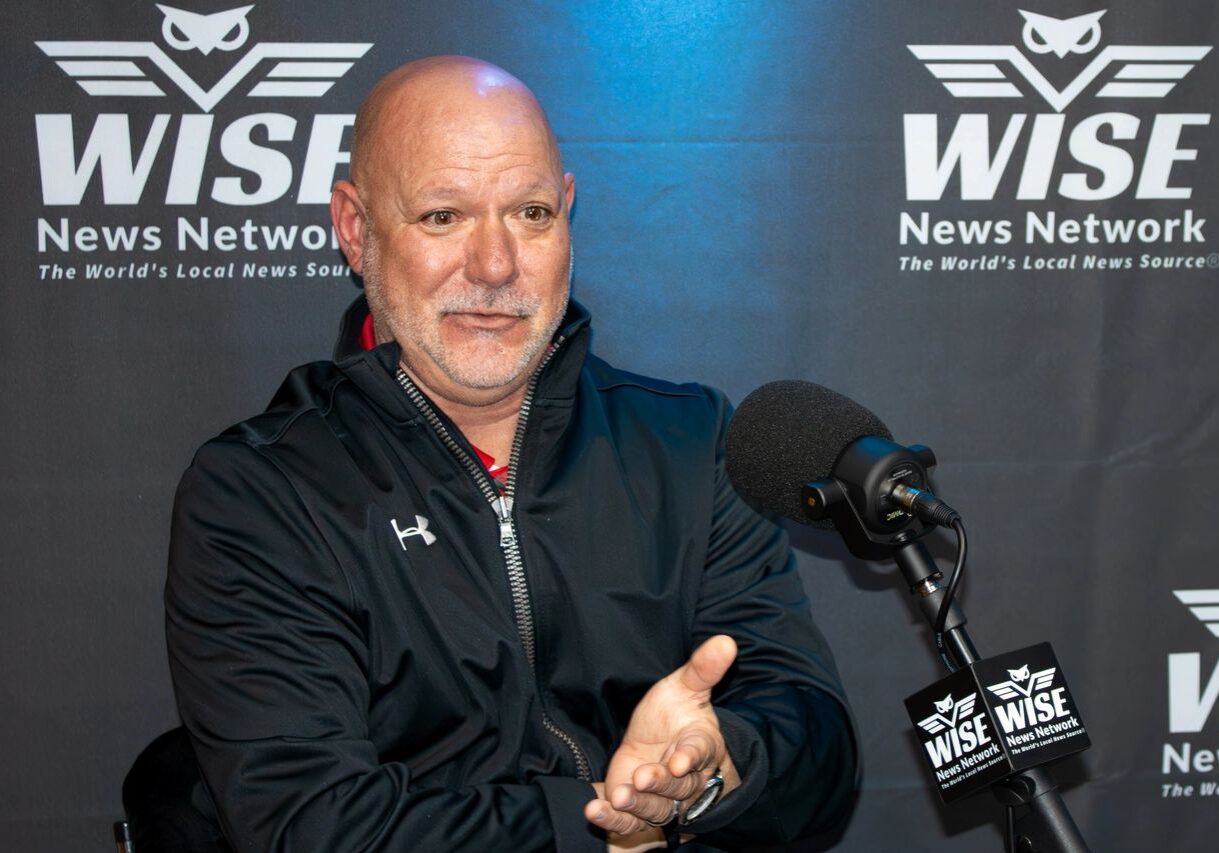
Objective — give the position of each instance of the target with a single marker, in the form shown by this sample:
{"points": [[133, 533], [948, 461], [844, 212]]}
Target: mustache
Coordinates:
{"points": [[501, 301]]}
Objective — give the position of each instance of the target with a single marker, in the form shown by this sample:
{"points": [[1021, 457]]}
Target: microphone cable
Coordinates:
{"points": [[950, 592]]}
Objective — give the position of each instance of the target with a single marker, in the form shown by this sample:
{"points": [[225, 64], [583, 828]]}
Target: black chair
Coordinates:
{"points": [[168, 809]]}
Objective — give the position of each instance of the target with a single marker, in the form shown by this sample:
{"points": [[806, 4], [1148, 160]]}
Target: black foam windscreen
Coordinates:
{"points": [[787, 433]]}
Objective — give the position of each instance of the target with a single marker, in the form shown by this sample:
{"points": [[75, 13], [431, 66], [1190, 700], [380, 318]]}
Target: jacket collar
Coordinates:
{"points": [[350, 326]]}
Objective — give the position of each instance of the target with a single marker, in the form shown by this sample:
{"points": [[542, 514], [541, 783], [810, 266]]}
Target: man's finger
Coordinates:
{"points": [[603, 814], [648, 807], [708, 663], [657, 780], [696, 749]]}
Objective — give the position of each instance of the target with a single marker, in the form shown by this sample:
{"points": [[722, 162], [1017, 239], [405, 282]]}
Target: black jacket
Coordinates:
{"points": [[350, 683]]}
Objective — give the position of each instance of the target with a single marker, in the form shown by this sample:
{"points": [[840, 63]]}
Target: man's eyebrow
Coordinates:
{"points": [[540, 188]]}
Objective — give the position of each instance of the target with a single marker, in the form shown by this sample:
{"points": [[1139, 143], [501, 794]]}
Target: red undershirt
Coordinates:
{"points": [[368, 340]]}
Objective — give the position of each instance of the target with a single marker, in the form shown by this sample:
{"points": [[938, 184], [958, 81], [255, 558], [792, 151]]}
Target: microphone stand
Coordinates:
{"points": [[1037, 818], [873, 481]]}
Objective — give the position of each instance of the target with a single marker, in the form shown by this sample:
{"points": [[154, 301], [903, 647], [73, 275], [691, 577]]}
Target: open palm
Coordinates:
{"points": [[672, 744]]}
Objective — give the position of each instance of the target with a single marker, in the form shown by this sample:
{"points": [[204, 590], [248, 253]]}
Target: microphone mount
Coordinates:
{"points": [[877, 496]]}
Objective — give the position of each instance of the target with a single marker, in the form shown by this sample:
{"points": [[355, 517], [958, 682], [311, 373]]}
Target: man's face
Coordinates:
{"points": [[467, 246]]}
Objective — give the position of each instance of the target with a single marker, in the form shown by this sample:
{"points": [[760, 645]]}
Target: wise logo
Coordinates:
{"points": [[239, 155], [1055, 153], [1190, 702], [956, 731], [957, 736], [1191, 705], [1032, 710]]}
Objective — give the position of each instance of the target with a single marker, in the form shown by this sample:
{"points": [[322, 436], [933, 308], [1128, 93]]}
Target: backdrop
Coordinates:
{"points": [[996, 229]]}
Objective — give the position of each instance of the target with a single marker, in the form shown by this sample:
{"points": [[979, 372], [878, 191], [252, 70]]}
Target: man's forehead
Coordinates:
{"points": [[475, 128], [455, 151], [455, 184]]}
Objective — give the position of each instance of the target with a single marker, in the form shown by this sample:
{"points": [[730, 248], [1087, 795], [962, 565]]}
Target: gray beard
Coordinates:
{"points": [[489, 373]]}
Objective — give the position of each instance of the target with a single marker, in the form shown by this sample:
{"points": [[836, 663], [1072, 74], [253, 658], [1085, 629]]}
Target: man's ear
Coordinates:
{"points": [[347, 214], [569, 191]]}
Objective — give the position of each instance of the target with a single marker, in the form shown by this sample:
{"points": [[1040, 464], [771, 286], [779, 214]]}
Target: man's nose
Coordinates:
{"points": [[491, 254]]}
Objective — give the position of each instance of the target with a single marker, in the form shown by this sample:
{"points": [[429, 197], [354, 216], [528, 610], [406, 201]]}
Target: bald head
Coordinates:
{"points": [[451, 95]]}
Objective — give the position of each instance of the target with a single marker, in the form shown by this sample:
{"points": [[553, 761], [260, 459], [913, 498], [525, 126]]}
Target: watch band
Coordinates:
{"points": [[672, 836]]}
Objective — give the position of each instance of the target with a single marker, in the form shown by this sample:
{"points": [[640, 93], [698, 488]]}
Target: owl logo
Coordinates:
{"points": [[1022, 683], [1004, 71], [1061, 36], [141, 68], [948, 713], [219, 31]]}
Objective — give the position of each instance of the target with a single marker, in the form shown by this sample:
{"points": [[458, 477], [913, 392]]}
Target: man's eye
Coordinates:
{"points": [[536, 213], [440, 217]]}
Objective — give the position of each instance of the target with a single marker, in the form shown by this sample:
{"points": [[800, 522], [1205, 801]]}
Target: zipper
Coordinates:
{"points": [[501, 503]]}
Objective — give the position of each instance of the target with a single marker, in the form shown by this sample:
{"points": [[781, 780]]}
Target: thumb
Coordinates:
{"points": [[707, 664]]}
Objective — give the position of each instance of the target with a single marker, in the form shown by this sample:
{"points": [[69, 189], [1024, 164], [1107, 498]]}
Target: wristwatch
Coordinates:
{"points": [[711, 792], [709, 796]]}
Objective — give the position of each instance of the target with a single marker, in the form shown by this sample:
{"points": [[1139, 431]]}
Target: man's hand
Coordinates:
{"points": [[671, 748]]}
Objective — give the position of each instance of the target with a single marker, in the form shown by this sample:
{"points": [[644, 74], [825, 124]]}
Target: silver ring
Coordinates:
{"points": [[672, 817]]}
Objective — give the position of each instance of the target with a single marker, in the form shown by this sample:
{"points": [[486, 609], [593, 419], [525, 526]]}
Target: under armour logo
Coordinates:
{"points": [[226, 30], [420, 530]]}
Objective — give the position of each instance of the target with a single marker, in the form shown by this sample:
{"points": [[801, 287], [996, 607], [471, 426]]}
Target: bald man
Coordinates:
{"points": [[469, 587]]}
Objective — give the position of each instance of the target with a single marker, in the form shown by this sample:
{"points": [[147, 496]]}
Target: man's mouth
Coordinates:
{"points": [[485, 322]]}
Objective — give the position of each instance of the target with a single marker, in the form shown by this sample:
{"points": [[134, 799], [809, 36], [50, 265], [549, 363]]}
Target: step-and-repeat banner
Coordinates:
{"points": [[996, 224]]}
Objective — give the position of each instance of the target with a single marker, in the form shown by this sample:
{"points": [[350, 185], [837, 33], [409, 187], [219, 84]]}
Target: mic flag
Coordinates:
{"points": [[996, 717]]}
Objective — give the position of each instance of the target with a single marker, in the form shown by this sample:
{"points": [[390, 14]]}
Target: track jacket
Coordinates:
{"points": [[372, 648]]}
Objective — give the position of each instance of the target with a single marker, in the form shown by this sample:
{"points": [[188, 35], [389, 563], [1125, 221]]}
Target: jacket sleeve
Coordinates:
{"points": [[268, 655], [782, 709]]}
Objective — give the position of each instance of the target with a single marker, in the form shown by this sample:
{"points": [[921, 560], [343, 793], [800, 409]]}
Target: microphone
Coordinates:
{"points": [[812, 455], [787, 433], [809, 454]]}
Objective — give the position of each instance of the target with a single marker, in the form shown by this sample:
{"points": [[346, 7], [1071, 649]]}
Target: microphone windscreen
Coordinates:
{"points": [[787, 433]]}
